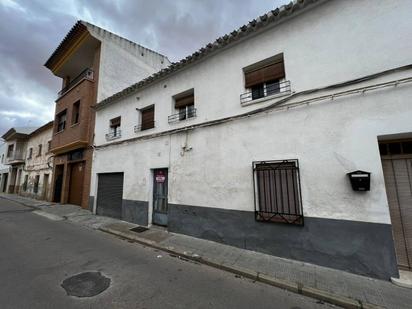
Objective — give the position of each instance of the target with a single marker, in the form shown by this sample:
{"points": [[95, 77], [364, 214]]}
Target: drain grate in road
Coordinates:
{"points": [[139, 229], [86, 284]]}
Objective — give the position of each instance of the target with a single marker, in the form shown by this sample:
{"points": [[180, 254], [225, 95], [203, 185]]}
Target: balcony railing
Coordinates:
{"points": [[15, 156], [185, 114], [86, 74], [144, 126], [276, 89], [113, 135]]}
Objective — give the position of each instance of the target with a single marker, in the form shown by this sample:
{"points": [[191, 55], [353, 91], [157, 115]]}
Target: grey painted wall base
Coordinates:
{"points": [[135, 211], [132, 211], [358, 247], [91, 203]]}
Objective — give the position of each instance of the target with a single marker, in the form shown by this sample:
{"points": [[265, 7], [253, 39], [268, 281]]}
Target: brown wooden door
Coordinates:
{"points": [[398, 182], [76, 183]]}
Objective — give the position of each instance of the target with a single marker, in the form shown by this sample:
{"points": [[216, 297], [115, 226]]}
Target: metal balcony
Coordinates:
{"points": [[185, 114], [266, 91], [144, 126], [85, 74], [15, 157], [113, 135]]}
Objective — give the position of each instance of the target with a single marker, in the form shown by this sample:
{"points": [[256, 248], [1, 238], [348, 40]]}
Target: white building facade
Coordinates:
{"points": [[249, 141]]}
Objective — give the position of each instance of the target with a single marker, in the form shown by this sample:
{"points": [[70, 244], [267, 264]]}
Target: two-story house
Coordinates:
{"points": [[93, 63], [252, 140], [37, 172], [15, 153], [4, 168]]}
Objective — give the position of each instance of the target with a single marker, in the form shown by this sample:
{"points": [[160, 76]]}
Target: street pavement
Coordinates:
{"points": [[37, 254]]}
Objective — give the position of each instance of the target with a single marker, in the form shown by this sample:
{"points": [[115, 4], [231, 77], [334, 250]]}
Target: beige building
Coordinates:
{"points": [[37, 171], [27, 161]]}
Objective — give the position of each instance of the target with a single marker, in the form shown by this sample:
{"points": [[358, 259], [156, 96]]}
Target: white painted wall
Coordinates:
{"points": [[334, 42], [123, 62]]}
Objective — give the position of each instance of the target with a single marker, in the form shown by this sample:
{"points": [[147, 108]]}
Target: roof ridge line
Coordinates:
{"points": [[254, 25]]}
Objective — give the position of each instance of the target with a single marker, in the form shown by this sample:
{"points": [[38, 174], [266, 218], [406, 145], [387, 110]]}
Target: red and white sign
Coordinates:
{"points": [[160, 178]]}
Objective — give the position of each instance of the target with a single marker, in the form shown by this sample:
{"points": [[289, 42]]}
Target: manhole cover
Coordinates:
{"points": [[86, 284], [139, 229]]}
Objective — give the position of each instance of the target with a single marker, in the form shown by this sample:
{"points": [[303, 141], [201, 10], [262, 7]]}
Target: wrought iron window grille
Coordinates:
{"points": [[113, 135], [277, 192], [187, 113], [144, 126], [267, 89]]}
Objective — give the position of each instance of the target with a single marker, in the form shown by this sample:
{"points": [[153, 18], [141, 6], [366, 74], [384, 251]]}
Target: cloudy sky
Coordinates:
{"points": [[30, 30]]}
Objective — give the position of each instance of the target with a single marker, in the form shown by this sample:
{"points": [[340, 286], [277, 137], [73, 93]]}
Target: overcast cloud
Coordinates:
{"points": [[30, 30]]}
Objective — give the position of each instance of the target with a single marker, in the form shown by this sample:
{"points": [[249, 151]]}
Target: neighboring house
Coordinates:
{"points": [[16, 144], [37, 172], [4, 169], [249, 140], [93, 64]]}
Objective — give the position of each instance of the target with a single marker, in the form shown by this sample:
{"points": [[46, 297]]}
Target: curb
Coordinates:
{"points": [[26, 205], [294, 287]]}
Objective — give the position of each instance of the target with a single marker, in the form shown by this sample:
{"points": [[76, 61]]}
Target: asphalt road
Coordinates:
{"points": [[37, 255]]}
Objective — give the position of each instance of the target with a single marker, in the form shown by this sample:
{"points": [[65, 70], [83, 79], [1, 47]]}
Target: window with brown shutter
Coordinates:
{"points": [[263, 78], [115, 131], [185, 101], [185, 105], [148, 118]]}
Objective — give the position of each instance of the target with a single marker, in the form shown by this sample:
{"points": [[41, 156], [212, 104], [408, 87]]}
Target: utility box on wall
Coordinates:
{"points": [[360, 180]]}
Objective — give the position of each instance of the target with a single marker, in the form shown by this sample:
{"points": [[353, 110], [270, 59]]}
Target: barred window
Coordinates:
{"points": [[277, 192]]}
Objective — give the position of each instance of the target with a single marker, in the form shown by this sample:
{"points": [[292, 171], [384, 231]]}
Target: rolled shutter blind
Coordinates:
{"points": [[115, 122], [264, 74], [148, 115], [185, 101], [148, 118]]}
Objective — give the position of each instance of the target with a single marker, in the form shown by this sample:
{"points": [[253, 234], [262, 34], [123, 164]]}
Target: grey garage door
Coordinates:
{"points": [[110, 195]]}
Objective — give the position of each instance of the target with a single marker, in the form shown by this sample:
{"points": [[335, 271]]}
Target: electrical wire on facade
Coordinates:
{"points": [[273, 106]]}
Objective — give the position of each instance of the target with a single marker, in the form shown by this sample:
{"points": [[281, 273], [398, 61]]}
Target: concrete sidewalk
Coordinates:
{"points": [[334, 286]]}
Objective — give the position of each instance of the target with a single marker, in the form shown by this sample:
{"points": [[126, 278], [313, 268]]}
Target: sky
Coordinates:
{"points": [[30, 30]]}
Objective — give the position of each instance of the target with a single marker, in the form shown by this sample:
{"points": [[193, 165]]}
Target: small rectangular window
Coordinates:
{"points": [[10, 150], [114, 130], [277, 192], [48, 145], [61, 121], [263, 79], [30, 155], [184, 104], [39, 151], [76, 113]]}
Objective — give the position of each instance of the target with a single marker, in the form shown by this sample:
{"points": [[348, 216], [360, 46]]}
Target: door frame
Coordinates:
{"points": [[391, 158], [152, 199]]}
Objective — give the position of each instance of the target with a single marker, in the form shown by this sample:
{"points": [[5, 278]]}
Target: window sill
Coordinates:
{"points": [[59, 132], [74, 124], [267, 98]]}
